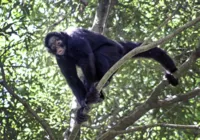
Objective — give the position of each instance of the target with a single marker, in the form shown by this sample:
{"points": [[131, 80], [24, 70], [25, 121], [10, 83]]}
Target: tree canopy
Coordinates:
{"points": [[36, 102]]}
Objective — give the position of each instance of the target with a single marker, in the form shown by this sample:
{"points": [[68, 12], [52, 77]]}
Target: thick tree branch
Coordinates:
{"points": [[101, 16], [26, 105]]}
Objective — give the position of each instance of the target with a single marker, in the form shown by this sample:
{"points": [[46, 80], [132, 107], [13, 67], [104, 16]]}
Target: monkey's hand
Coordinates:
{"points": [[93, 96]]}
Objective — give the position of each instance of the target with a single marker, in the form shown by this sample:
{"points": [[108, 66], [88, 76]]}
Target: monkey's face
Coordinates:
{"points": [[56, 46]]}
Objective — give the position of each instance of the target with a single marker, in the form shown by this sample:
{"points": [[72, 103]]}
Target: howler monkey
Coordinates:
{"points": [[94, 54]]}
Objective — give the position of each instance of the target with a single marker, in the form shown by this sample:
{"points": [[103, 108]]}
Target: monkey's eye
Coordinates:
{"points": [[59, 42]]}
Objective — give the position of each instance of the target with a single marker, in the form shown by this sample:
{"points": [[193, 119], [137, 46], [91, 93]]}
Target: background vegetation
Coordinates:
{"points": [[33, 90]]}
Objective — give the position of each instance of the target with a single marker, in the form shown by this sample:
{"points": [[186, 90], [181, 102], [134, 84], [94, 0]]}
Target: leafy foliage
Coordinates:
{"points": [[33, 74]]}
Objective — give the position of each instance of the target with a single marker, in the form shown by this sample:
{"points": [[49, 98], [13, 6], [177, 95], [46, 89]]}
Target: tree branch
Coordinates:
{"points": [[144, 127], [101, 16], [178, 98]]}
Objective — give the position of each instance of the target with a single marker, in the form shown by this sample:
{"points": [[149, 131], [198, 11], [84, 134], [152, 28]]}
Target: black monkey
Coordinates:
{"points": [[94, 54]]}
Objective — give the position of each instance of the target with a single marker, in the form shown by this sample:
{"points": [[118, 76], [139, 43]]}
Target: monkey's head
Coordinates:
{"points": [[55, 43]]}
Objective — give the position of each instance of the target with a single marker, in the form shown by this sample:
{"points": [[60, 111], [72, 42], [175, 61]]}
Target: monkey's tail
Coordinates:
{"points": [[158, 55]]}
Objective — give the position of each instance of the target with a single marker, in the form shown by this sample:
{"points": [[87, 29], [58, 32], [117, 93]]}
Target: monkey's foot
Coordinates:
{"points": [[171, 79], [81, 116]]}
